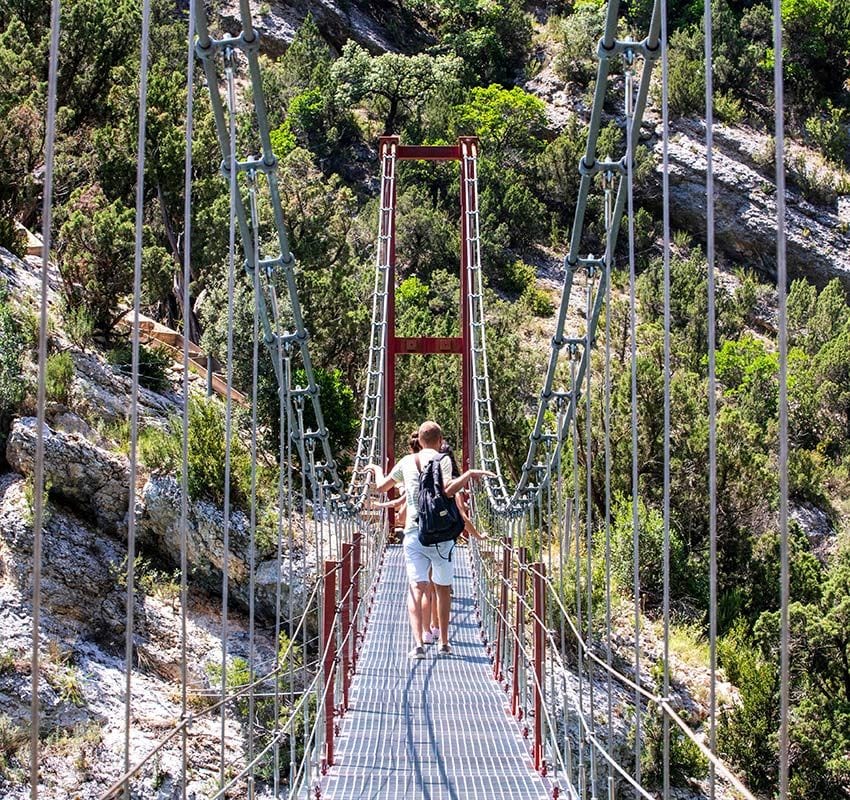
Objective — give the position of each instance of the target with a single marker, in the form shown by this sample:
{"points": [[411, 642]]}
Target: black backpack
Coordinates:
{"points": [[439, 517]]}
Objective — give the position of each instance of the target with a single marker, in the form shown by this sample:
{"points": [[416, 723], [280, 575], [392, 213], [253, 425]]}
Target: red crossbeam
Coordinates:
{"points": [[424, 152], [410, 345]]}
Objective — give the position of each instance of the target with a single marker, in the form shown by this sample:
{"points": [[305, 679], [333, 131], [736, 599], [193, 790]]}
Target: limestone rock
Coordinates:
{"points": [[818, 528], [160, 529], [80, 569], [92, 479], [379, 27], [745, 205], [100, 392]]}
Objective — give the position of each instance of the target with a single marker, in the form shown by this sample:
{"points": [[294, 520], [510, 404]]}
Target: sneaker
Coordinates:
{"points": [[444, 650], [417, 652], [435, 634], [428, 638]]}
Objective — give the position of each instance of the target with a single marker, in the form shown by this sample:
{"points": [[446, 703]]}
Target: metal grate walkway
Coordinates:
{"points": [[437, 729]]}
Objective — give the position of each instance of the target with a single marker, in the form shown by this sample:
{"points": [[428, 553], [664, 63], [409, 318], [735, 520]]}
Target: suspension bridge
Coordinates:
{"points": [[531, 701]]}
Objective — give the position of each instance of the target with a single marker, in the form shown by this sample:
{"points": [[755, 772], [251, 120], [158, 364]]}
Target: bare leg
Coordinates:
{"points": [[444, 602], [432, 621], [418, 609]]}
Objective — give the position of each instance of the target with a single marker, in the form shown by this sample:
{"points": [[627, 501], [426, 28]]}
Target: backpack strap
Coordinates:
{"points": [[416, 461]]}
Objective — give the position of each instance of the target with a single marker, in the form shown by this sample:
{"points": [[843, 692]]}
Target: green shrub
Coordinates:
{"points": [[60, 377], [579, 34], [78, 324], [12, 237], [686, 86], [686, 761], [728, 108], [12, 348], [517, 277], [96, 246], [159, 449], [153, 365], [830, 134], [651, 543], [538, 302]]}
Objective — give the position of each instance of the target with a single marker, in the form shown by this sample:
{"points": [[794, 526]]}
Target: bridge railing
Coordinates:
{"points": [[553, 659]]}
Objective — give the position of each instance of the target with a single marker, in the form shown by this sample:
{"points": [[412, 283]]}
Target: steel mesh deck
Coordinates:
{"points": [[436, 729]]}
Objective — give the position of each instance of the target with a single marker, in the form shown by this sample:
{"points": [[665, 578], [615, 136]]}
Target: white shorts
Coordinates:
{"points": [[418, 559]]}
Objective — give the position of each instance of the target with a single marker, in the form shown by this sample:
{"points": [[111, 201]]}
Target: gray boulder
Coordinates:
{"points": [[92, 479], [159, 529]]}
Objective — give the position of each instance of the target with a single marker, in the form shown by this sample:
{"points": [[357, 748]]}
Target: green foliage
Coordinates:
{"points": [[820, 691], [283, 139], [686, 83], [427, 240], [728, 108], [398, 85], [77, 325], [746, 734], [651, 544], [59, 378], [492, 38], [829, 132], [96, 246], [579, 34], [686, 762], [509, 122], [557, 167], [12, 350], [162, 449], [518, 276], [153, 365], [817, 33]]}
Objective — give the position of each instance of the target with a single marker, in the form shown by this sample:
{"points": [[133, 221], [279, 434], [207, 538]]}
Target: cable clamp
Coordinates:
{"points": [[591, 264], [605, 167], [258, 164], [215, 46], [284, 339], [628, 48], [570, 342]]}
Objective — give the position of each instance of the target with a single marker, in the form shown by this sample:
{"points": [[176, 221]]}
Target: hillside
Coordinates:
{"points": [[518, 76]]}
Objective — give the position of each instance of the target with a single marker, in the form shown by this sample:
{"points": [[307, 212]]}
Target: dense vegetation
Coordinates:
{"points": [[326, 110]]}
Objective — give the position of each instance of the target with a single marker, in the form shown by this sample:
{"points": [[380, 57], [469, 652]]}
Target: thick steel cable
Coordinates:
{"points": [[184, 444], [252, 539], [781, 288], [281, 393], [41, 394], [230, 161], [588, 467], [134, 392], [712, 390], [606, 417], [633, 404], [665, 224]]}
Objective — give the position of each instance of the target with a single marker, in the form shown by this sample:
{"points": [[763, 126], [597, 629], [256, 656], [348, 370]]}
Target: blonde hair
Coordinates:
{"points": [[430, 434]]}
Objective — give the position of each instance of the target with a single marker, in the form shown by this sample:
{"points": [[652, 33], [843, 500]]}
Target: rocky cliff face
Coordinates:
{"points": [[818, 244], [817, 241], [378, 26]]}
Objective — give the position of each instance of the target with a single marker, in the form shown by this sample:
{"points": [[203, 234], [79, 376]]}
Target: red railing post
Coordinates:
{"points": [[538, 571], [502, 618], [522, 553], [329, 648], [357, 560], [345, 592]]}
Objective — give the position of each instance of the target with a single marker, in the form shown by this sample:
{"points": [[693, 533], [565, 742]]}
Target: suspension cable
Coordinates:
{"points": [[41, 394]]}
